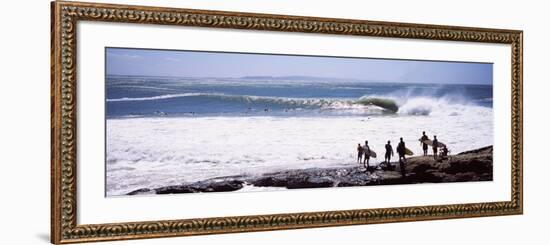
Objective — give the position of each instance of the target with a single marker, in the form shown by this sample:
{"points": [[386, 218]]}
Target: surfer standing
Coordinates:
{"points": [[444, 153], [366, 150], [359, 153], [389, 154], [424, 145], [435, 144], [401, 151]]}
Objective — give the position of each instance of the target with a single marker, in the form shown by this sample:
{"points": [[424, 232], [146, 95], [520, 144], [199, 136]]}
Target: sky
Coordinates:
{"points": [[149, 62]]}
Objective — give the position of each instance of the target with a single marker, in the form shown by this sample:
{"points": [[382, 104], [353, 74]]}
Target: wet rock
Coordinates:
{"points": [[475, 165], [213, 185], [217, 185], [273, 181], [176, 189], [140, 191], [310, 182], [483, 150]]}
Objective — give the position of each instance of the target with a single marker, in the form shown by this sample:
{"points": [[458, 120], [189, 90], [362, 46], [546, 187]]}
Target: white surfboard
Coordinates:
{"points": [[371, 153], [431, 143]]}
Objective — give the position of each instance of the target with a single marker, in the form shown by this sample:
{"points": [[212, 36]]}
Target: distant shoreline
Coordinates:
{"points": [[473, 165], [282, 78]]}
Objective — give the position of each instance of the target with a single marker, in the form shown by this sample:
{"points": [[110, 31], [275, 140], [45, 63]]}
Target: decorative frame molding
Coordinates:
{"points": [[65, 16]]}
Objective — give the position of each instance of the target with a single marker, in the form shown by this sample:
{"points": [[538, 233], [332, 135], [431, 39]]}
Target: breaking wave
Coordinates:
{"points": [[364, 102], [422, 105], [160, 97]]}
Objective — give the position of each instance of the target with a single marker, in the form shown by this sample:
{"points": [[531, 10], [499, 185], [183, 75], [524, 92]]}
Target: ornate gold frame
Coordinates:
{"points": [[65, 15]]}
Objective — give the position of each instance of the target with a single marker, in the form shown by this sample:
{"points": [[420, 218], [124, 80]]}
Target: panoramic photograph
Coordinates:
{"points": [[203, 121]]}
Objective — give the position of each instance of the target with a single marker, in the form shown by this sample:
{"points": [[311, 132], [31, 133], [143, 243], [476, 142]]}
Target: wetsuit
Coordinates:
{"points": [[359, 152], [434, 147], [401, 152], [389, 152], [366, 150], [424, 145]]}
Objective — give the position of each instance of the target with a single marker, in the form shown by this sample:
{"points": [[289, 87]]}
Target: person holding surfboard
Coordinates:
{"points": [[423, 143], [359, 153], [435, 144], [389, 154], [401, 150], [366, 150]]}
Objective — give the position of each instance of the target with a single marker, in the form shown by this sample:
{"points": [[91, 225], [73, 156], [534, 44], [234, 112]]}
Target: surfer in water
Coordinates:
{"points": [[389, 154], [366, 150], [359, 153], [401, 151], [435, 144], [424, 145]]}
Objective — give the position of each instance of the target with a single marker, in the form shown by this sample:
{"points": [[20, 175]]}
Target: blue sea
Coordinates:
{"points": [[136, 96]]}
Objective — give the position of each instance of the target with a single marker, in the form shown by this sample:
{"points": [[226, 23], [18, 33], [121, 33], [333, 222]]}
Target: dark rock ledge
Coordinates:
{"points": [[475, 165]]}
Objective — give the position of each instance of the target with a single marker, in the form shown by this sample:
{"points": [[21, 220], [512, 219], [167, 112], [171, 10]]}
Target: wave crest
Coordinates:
{"points": [[418, 106], [385, 103], [425, 106], [160, 97], [363, 105], [322, 103]]}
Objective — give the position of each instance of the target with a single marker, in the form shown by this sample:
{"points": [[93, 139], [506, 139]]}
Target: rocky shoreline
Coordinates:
{"points": [[474, 165]]}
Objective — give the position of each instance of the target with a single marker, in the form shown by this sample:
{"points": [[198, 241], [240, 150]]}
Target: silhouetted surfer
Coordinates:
{"points": [[359, 153], [444, 153], [401, 151], [366, 150], [424, 145], [435, 144], [389, 154]]}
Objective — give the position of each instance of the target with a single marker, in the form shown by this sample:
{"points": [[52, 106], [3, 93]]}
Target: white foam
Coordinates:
{"points": [[160, 97], [153, 152], [440, 107]]}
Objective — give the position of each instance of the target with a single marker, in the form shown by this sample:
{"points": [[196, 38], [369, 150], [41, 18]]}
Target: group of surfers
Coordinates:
{"points": [[364, 152]]}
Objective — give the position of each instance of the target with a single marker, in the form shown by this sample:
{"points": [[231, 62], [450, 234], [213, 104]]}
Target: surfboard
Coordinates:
{"points": [[408, 152], [372, 153], [427, 142], [431, 143]]}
